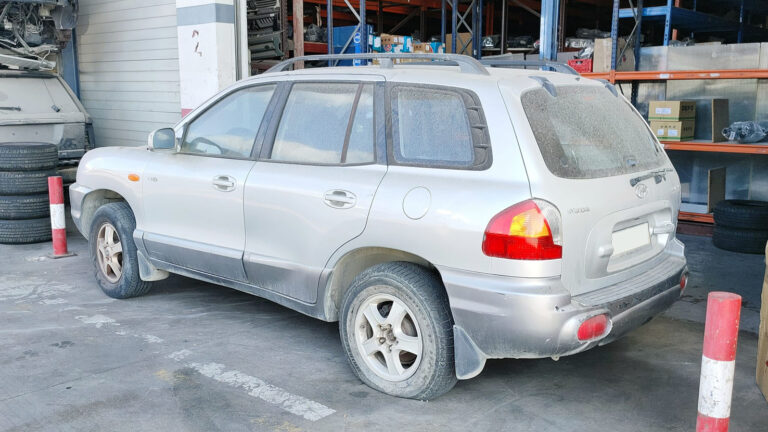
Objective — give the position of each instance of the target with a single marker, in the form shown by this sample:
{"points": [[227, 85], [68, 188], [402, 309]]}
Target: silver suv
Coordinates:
{"points": [[443, 214]]}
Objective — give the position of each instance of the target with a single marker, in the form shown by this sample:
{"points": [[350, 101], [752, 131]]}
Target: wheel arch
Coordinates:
{"points": [[352, 263], [93, 201]]}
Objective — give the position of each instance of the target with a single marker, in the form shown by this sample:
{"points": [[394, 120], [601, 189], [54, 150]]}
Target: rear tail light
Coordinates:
{"points": [[683, 281], [530, 230], [593, 328]]}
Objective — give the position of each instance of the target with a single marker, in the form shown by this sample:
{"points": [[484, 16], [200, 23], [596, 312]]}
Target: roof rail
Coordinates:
{"points": [[466, 64], [506, 61]]}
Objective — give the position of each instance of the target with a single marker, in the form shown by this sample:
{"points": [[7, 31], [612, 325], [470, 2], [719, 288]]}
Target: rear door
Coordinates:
{"points": [[592, 155], [313, 186]]}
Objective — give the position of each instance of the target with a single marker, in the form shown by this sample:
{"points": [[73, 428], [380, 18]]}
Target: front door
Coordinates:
{"points": [[193, 198], [311, 191]]}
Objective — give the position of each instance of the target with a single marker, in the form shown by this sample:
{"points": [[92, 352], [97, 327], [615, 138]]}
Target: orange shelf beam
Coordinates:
{"points": [[722, 147], [614, 76], [696, 217]]}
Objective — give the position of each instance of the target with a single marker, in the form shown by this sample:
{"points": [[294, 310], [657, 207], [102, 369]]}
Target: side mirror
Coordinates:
{"points": [[162, 139]]}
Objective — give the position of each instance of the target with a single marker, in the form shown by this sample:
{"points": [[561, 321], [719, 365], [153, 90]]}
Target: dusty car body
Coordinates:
{"points": [[38, 106], [503, 213]]}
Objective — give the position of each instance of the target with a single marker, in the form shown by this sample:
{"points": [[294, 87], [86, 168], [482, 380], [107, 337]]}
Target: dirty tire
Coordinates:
{"points": [[423, 293], [17, 207], [24, 182], [747, 214], [120, 216], [28, 156], [740, 240], [25, 231]]}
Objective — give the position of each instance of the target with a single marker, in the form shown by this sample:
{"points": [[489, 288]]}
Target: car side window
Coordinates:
{"points": [[438, 127], [229, 127], [326, 124]]}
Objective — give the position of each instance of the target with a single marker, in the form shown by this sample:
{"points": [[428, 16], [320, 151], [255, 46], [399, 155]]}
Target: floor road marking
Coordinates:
{"points": [[256, 387]]}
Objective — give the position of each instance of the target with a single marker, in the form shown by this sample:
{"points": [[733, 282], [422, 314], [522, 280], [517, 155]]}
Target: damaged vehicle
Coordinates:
{"points": [[36, 104], [443, 213]]}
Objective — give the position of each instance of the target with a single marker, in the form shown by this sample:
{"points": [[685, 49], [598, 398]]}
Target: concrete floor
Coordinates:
{"points": [[191, 356]]}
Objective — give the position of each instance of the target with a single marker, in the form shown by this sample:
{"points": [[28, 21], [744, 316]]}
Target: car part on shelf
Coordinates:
{"points": [[35, 29]]}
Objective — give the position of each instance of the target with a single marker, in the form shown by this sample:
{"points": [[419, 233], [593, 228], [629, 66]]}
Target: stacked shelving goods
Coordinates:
{"points": [[700, 72]]}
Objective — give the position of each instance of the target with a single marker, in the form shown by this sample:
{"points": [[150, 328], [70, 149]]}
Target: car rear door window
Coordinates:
{"points": [[229, 127], [326, 123], [438, 127]]}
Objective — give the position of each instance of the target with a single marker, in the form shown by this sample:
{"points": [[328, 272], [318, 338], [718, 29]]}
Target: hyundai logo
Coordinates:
{"points": [[641, 190]]}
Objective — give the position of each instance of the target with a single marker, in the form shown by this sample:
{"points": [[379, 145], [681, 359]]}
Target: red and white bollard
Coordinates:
{"points": [[58, 222], [721, 332]]}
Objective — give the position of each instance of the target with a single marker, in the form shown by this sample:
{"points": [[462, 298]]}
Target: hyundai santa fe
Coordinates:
{"points": [[444, 212]]}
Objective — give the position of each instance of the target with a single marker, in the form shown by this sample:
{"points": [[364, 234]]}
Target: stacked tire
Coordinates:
{"points": [[741, 226], [24, 207]]}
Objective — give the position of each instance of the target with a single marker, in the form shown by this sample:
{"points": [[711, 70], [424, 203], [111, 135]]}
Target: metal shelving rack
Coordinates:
{"points": [[686, 19]]}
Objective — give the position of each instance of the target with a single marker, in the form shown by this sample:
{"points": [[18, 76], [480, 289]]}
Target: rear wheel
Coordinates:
{"points": [[397, 331], [113, 252]]}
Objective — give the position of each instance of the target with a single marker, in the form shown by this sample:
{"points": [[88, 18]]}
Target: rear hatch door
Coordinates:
{"points": [[590, 153]]}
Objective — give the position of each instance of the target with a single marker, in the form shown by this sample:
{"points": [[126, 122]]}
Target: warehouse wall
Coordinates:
{"points": [[129, 68]]}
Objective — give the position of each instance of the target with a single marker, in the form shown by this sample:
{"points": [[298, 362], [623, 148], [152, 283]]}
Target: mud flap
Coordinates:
{"points": [[147, 271], [468, 357]]}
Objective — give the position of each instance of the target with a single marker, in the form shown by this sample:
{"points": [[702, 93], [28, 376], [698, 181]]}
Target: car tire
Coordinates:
{"points": [[25, 231], [746, 214], [28, 156], [15, 207], [740, 240], [113, 252], [24, 182], [423, 323]]}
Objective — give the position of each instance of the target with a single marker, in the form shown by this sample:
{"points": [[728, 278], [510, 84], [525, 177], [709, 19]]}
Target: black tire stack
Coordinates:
{"points": [[741, 226], [24, 208]]}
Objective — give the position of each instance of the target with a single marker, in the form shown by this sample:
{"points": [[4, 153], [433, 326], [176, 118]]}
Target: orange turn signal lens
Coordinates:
{"points": [[133, 177]]}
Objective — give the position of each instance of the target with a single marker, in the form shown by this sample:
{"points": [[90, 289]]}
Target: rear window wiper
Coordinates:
{"points": [[10, 108], [657, 176]]}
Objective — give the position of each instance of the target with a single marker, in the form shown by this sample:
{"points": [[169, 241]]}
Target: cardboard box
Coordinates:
{"points": [[762, 339], [461, 40], [428, 47], [673, 130], [393, 43], [712, 116], [601, 59], [672, 110]]}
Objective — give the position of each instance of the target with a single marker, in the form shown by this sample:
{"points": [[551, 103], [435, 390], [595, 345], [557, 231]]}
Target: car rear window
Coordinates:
{"points": [[587, 132]]}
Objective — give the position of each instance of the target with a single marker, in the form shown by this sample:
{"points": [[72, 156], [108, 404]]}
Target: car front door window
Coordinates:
{"points": [[229, 128]]}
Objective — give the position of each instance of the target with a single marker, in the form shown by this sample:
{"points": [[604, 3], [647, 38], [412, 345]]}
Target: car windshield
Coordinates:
{"points": [[587, 132]]}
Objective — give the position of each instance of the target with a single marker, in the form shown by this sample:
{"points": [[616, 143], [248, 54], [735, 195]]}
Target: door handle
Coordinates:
{"points": [[224, 183], [340, 199]]}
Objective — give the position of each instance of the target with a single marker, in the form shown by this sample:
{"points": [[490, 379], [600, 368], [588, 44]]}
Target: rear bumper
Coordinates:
{"points": [[508, 317]]}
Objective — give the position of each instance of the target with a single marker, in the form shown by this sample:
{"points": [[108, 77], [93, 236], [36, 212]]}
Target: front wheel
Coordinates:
{"points": [[397, 331], [113, 252]]}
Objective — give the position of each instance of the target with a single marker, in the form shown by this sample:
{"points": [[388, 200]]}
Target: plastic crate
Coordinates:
{"points": [[581, 65]]}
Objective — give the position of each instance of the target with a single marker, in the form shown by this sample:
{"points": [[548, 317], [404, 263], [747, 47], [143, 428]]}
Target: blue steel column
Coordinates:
{"points": [[668, 23], [548, 29], [442, 23], [69, 65], [479, 29], [363, 30], [638, 35], [329, 23], [454, 19], [614, 33], [741, 23]]}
